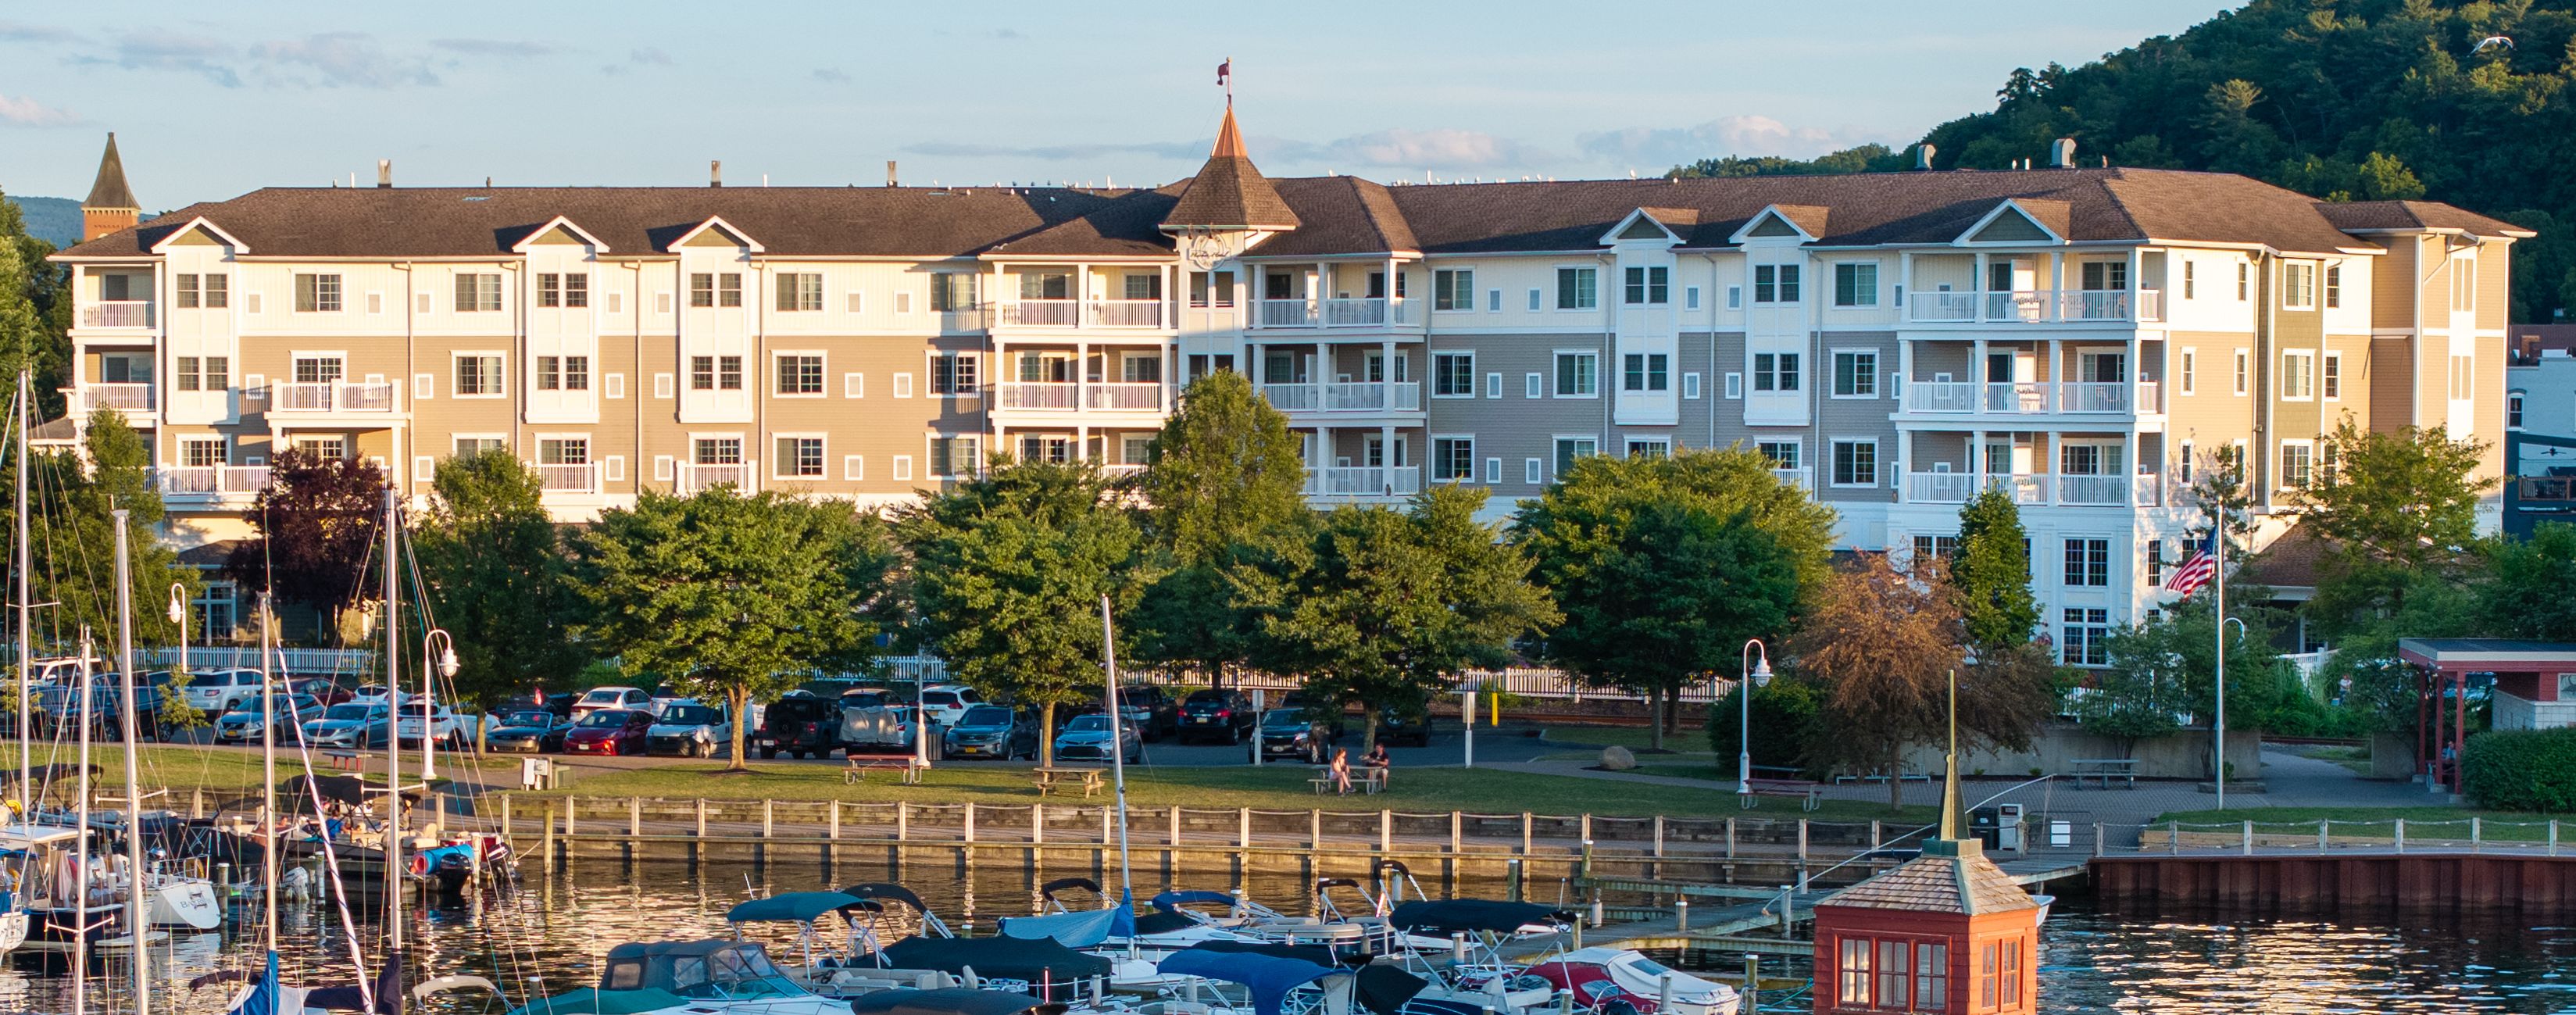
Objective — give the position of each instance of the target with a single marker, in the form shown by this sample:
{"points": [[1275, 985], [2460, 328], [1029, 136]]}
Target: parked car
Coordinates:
{"points": [[1289, 733], [323, 689], [216, 692], [1216, 715], [1155, 713], [870, 724], [528, 731], [1409, 728], [609, 731], [1087, 738], [450, 729], [59, 670], [605, 698], [991, 731], [242, 725], [349, 724], [801, 724], [541, 700], [58, 708], [688, 727], [946, 702]]}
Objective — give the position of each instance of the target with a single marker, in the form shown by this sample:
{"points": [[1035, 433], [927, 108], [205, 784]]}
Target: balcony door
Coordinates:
{"points": [[2102, 367], [1279, 366], [2089, 458], [125, 368], [1046, 368]]}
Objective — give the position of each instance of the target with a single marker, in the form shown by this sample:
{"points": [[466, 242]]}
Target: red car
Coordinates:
{"points": [[321, 688], [609, 731]]}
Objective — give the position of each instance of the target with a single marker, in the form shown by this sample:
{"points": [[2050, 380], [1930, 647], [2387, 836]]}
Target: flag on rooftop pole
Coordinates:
{"points": [[2198, 571]]}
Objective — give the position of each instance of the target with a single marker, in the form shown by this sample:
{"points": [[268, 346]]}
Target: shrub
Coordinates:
{"points": [[1784, 713], [2521, 770]]}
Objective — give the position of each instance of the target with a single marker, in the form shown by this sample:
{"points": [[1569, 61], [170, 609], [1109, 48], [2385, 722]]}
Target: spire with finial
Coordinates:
{"points": [[1950, 772], [110, 205], [1229, 194]]}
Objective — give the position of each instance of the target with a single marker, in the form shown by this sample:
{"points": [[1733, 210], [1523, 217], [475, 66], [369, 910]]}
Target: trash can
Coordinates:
{"points": [[2008, 828], [1984, 824]]}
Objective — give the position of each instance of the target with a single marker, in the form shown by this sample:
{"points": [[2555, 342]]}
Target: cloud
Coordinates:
{"points": [[1007, 33], [1400, 148], [1742, 134], [649, 55], [19, 31], [27, 112], [831, 75], [155, 49], [347, 59], [493, 47]]}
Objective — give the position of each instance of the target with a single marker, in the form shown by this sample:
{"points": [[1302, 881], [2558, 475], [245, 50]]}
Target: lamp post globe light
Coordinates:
{"points": [[179, 616], [1757, 673], [438, 652]]}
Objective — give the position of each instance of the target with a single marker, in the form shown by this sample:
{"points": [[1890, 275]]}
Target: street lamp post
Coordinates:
{"points": [[179, 616], [1756, 674], [443, 658], [2219, 723]]}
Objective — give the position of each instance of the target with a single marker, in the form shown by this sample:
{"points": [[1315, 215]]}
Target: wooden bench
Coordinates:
{"points": [[1366, 780], [1809, 794], [1050, 778], [345, 761], [2104, 769], [907, 768]]}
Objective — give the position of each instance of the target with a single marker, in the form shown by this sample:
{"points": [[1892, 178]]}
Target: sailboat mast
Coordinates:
{"points": [[267, 780], [1117, 752], [131, 723], [26, 629], [83, 871], [393, 735]]}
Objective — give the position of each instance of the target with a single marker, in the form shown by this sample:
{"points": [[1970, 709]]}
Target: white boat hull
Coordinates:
{"points": [[13, 931], [184, 902]]}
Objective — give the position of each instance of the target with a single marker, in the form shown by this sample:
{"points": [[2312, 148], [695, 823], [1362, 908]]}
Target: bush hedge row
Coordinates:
{"points": [[2521, 770]]}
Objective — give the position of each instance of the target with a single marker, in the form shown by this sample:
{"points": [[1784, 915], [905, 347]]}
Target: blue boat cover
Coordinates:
{"points": [[1073, 930], [1169, 901], [1445, 916], [1269, 977], [1122, 920], [589, 1001], [792, 907]]}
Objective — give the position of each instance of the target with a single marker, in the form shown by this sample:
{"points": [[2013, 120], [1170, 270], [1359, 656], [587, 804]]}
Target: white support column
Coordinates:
{"points": [[2055, 283], [1977, 370], [2129, 463], [2054, 376], [1905, 284], [1387, 372], [1171, 377], [1386, 456], [1978, 285]]}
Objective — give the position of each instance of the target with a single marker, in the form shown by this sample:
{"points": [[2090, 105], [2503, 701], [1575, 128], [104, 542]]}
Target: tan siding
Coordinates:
{"points": [[2495, 289], [2391, 377], [2392, 284]]}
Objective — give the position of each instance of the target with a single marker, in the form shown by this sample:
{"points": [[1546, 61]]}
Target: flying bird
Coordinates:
{"points": [[2492, 42]]}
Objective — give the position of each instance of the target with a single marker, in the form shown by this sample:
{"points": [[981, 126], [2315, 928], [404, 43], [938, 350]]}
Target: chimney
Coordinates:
{"points": [[715, 172], [890, 173], [1923, 156], [384, 173], [2061, 153]]}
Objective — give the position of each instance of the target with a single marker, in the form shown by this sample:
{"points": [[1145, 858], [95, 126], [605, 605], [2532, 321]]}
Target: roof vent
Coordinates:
{"points": [[890, 173], [715, 172], [384, 172], [2061, 153], [1923, 156]]}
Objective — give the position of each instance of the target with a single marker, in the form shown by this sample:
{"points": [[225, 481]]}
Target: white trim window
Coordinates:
{"points": [[799, 374], [571, 291], [1578, 374], [1775, 283], [1647, 286], [1645, 371], [1856, 284], [2244, 380], [2334, 286], [2298, 464], [955, 374], [1649, 446], [1578, 288], [800, 291], [478, 292], [1453, 375], [1783, 454], [2298, 286], [2088, 562], [1453, 289], [1453, 458], [1569, 448], [952, 456], [563, 373], [715, 373], [2330, 377], [1855, 374], [2084, 637], [2513, 410], [317, 293], [478, 375], [1775, 371], [1855, 462], [2298, 375], [1690, 385], [800, 456], [2190, 370], [1734, 384], [470, 445]]}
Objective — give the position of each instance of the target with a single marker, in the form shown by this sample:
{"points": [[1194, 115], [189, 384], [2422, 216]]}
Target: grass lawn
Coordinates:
{"points": [[2380, 822], [184, 768], [1480, 791]]}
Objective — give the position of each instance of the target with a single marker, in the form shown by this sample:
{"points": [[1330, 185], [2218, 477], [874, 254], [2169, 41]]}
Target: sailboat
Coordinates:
{"points": [[156, 898]]}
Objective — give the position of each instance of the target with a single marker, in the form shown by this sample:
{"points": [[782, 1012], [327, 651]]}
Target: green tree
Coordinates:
{"points": [[1008, 570], [1991, 572], [1385, 608], [72, 552], [1783, 722], [2526, 591], [498, 578], [1224, 490], [1665, 567], [735, 596], [35, 312], [317, 525], [2166, 668], [2400, 505]]}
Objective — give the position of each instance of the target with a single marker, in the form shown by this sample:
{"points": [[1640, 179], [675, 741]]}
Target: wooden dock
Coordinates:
{"points": [[1749, 918]]}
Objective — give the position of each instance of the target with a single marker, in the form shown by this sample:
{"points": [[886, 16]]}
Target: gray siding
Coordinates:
{"points": [[1515, 427]]}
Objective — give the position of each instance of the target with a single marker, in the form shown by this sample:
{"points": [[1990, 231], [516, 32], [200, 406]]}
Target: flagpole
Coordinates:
{"points": [[2218, 636]]}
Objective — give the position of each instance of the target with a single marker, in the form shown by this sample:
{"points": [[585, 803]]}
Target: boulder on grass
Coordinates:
{"points": [[1617, 759]]}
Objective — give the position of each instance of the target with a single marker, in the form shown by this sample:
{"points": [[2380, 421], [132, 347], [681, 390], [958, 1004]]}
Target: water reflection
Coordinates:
{"points": [[549, 935]]}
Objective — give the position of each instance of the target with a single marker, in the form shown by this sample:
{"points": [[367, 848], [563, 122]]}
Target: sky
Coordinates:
{"points": [[211, 100]]}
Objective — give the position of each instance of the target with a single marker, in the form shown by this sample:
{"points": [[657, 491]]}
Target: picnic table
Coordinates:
{"points": [[1050, 777], [908, 768], [1808, 793], [2104, 769], [1366, 780], [344, 761]]}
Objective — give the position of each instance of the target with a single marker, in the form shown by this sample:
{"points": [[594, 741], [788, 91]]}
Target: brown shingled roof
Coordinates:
{"points": [[2407, 216], [1229, 193], [1966, 884]]}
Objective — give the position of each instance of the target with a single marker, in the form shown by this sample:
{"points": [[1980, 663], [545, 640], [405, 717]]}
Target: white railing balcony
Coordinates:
{"points": [[1042, 313], [2020, 398], [2106, 397], [1941, 396], [118, 314], [1802, 478], [1039, 395], [964, 319], [331, 396], [212, 480], [1346, 396], [1354, 313], [2092, 490], [2034, 306], [1129, 396], [1365, 481], [693, 477], [1958, 487], [1120, 470], [1287, 313], [115, 396], [583, 478], [1127, 313]]}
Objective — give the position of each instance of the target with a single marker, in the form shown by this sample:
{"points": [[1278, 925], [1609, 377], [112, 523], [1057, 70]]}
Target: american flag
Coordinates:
{"points": [[2196, 572]]}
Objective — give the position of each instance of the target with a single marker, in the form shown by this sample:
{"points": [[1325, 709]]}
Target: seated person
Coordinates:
{"points": [[1376, 759]]}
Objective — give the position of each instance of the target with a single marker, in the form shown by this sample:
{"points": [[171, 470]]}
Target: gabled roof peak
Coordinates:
{"points": [[1228, 193]]}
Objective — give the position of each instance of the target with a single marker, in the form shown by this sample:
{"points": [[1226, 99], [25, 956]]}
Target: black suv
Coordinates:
{"points": [[1400, 726], [1154, 712], [1216, 715], [801, 725]]}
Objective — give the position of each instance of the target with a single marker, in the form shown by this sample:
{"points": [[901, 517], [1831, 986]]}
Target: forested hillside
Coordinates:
{"points": [[2344, 99]]}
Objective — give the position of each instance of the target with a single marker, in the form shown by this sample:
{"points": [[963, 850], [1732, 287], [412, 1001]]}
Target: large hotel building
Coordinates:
{"points": [[2084, 338]]}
